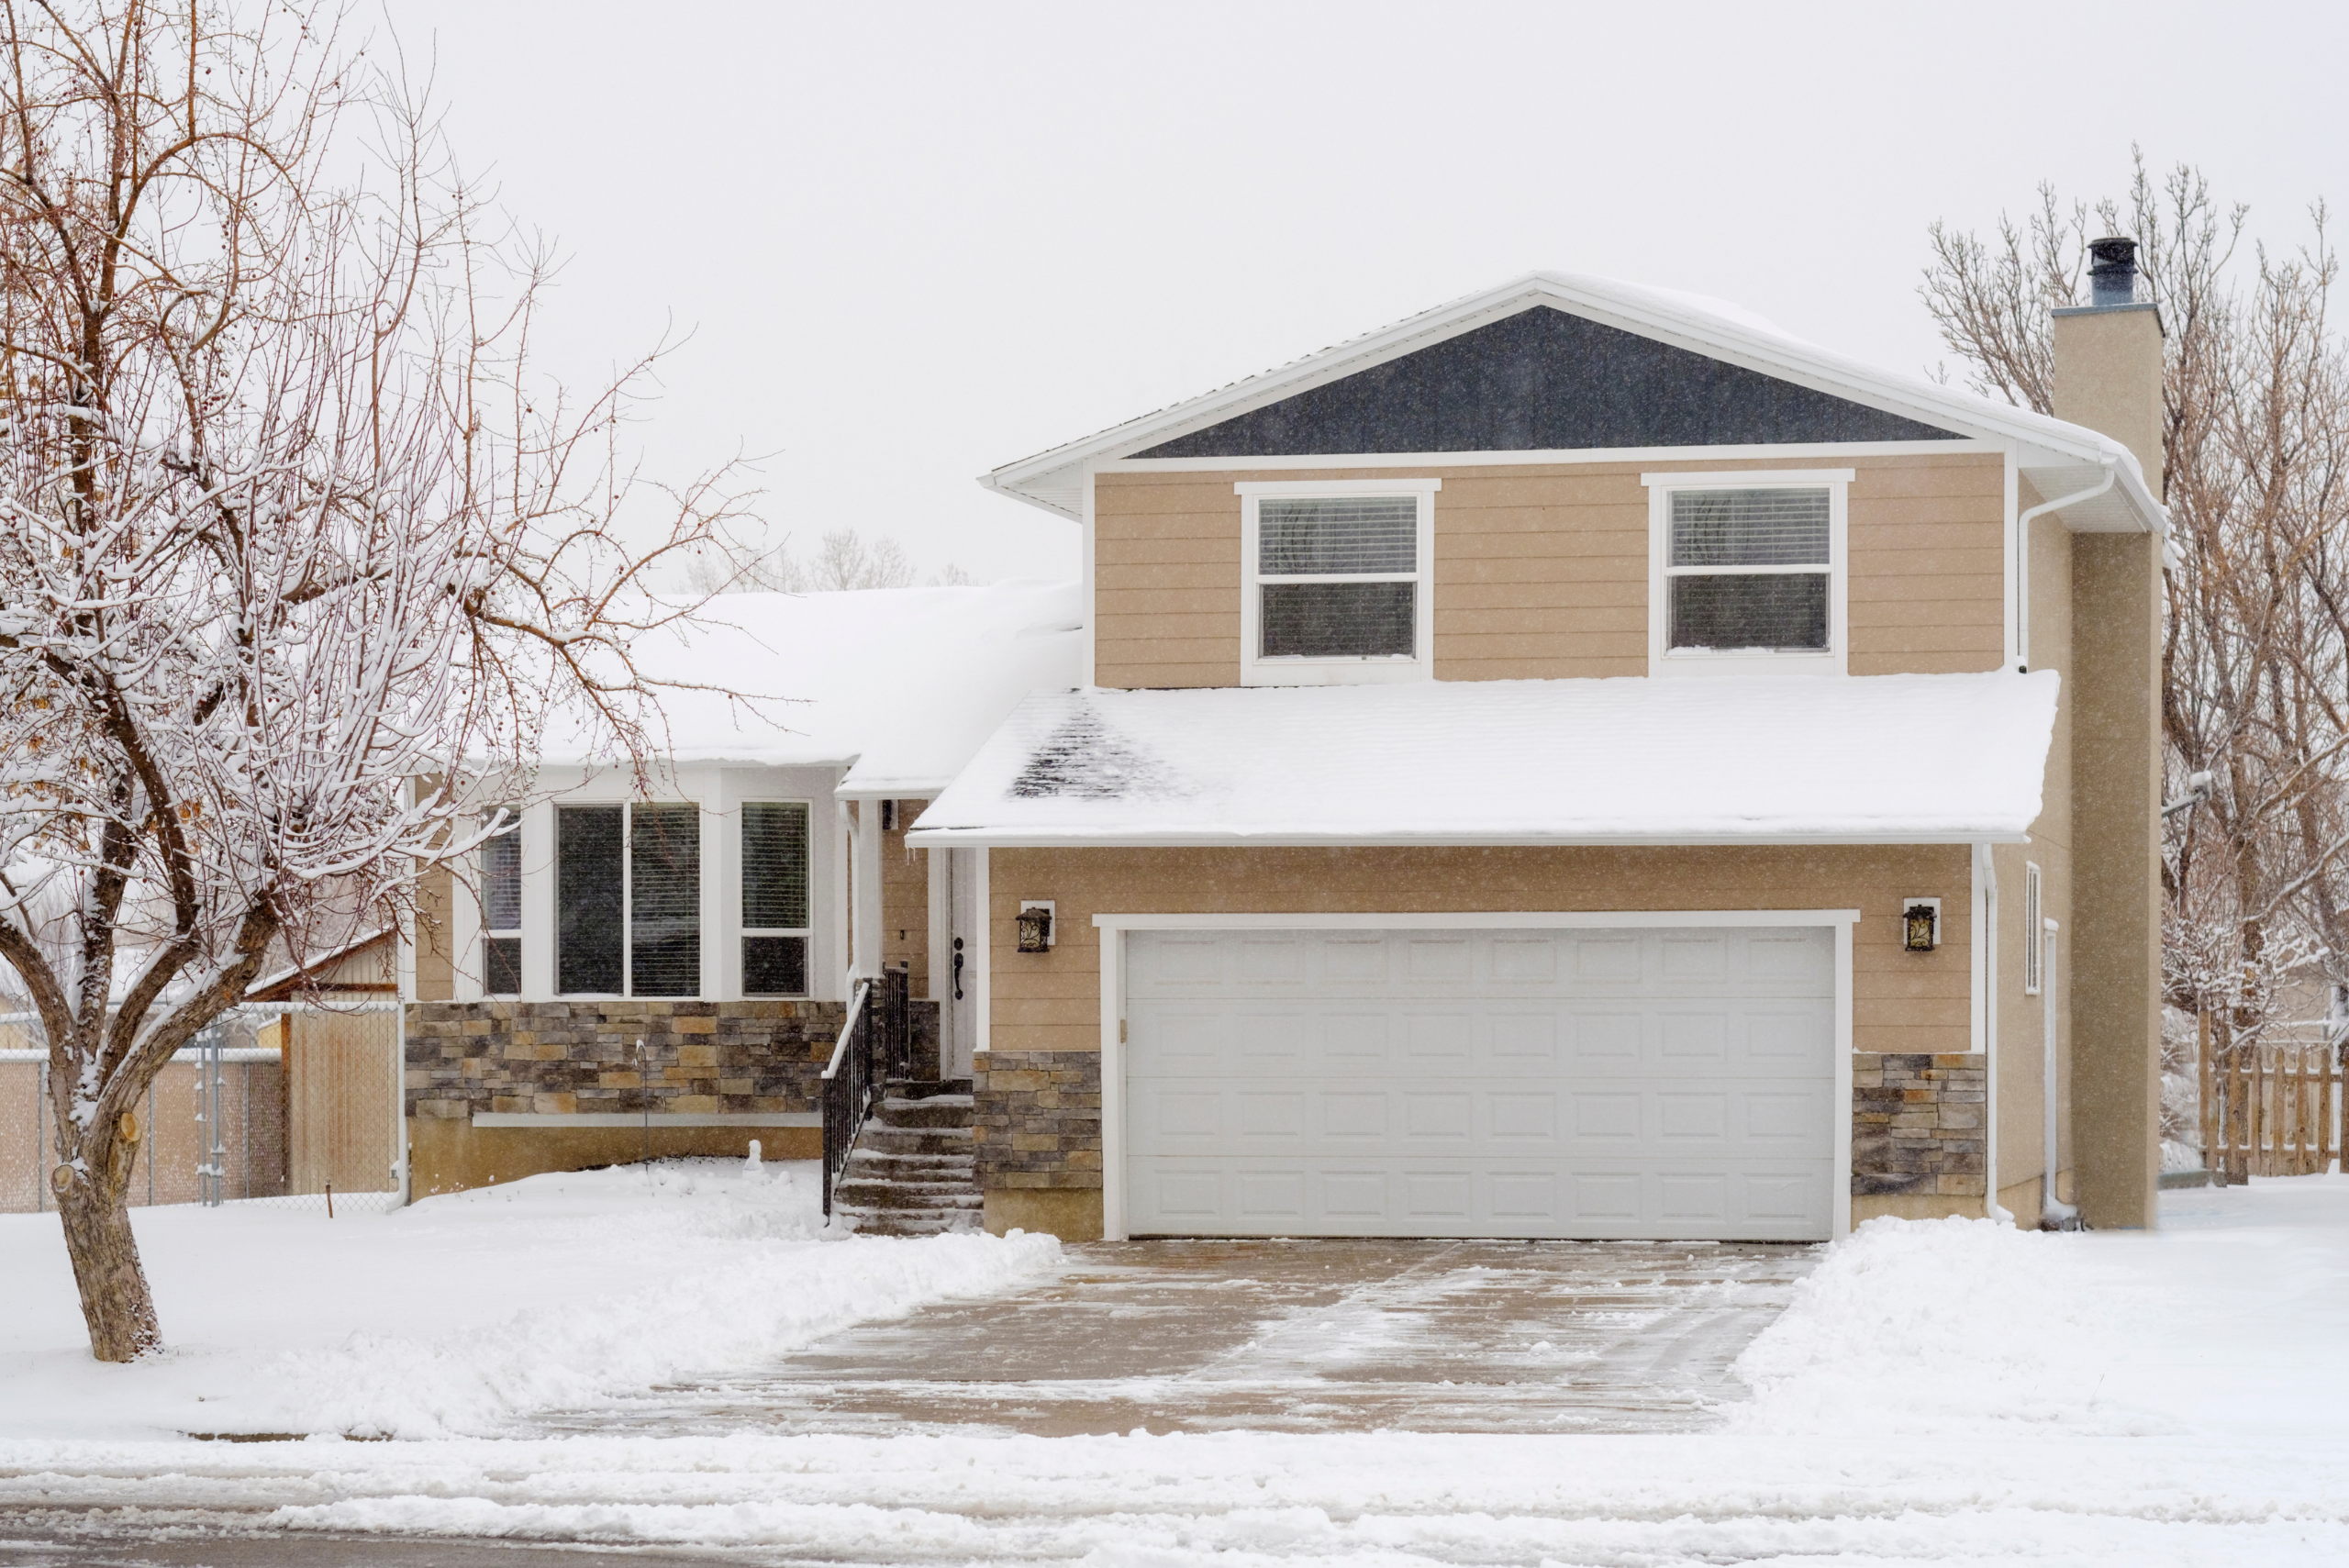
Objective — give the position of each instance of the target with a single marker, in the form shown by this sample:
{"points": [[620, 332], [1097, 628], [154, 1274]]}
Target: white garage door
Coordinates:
{"points": [[1664, 1083]]}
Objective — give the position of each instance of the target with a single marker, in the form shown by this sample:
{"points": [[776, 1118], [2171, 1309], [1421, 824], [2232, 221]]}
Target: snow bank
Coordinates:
{"points": [[2228, 1322], [462, 1312], [1944, 758]]}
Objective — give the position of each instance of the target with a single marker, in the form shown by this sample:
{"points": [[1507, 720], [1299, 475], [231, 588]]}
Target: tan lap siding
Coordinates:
{"points": [[1901, 1001], [1928, 564], [1542, 569]]}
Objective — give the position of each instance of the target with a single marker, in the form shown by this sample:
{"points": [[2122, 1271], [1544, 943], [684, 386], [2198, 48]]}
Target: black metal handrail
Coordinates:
{"points": [[875, 1046]]}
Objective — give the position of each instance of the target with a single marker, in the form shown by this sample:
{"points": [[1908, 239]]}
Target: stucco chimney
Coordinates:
{"points": [[2109, 359]]}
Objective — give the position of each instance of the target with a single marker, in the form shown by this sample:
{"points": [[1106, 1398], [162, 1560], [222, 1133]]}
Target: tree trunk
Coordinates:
{"points": [[116, 1302]]}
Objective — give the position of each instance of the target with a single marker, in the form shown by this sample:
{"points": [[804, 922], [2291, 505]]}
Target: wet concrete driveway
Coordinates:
{"points": [[1285, 1336]]}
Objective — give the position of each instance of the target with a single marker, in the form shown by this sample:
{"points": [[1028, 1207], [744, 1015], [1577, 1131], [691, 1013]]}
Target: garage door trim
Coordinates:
{"points": [[1113, 930]]}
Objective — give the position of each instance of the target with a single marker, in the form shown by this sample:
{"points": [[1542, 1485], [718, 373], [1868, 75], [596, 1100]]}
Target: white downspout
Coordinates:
{"points": [[2023, 554], [2054, 1214], [1985, 872]]}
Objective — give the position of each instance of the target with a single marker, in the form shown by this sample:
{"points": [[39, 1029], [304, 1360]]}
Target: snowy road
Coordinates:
{"points": [[1282, 1336]]}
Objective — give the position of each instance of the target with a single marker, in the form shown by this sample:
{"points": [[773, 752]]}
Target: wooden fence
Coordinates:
{"points": [[2272, 1107]]}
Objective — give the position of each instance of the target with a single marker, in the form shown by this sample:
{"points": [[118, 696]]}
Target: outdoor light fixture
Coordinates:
{"points": [[1035, 925], [1921, 924]]}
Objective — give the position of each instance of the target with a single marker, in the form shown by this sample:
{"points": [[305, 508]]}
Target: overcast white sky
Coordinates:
{"points": [[914, 242]]}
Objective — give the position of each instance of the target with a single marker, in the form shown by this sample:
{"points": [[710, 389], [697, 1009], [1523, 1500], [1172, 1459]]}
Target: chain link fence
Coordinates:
{"points": [[281, 1104]]}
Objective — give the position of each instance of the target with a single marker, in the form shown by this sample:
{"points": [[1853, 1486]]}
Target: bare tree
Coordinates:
{"points": [[845, 561], [291, 524], [2255, 445]]}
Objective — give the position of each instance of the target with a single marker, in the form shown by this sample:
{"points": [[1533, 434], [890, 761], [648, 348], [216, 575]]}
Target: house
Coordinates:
{"points": [[1580, 762], [670, 969]]}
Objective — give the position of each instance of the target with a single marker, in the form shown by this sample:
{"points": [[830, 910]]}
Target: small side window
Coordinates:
{"points": [[775, 898], [2034, 960], [501, 906]]}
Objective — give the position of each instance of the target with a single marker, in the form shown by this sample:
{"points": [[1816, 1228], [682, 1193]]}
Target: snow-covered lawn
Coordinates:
{"points": [[1941, 1393], [459, 1312]]}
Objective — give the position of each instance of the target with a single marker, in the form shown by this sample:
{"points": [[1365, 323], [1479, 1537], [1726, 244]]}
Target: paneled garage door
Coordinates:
{"points": [[1666, 1082]]}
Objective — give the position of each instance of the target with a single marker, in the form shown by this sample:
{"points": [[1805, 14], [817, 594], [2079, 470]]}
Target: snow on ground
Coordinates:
{"points": [[458, 1312], [1949, 1392]]}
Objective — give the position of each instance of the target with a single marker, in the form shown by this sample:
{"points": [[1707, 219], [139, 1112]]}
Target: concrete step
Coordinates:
{"points": [[944, 1140], [912, 1165], [925, 1088], [859, 1193], [934, 1110], [906, 1221]]}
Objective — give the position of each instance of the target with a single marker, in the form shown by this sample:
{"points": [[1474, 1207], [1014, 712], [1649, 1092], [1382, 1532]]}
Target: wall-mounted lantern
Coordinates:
{"points": [[1035, 925], [1921, 924]]}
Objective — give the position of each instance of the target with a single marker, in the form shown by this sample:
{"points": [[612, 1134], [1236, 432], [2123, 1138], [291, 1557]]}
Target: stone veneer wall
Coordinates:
{"points": [[1917, 1125], [561, 1058], [1038, 1118]]}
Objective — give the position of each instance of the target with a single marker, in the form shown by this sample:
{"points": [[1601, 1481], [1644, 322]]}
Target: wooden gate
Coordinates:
{"points": [[2269, 1107]]}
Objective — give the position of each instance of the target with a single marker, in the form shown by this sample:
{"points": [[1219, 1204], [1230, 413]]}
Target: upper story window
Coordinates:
{"points": [[501, 904], [627, 900], [1336, 582], [1747, 572], [775, 898]]}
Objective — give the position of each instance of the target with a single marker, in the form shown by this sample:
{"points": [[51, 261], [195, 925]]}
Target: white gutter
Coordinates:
{"points": [[2054, 1214], [1014, 839], [1988, 936], [2023, 552]]}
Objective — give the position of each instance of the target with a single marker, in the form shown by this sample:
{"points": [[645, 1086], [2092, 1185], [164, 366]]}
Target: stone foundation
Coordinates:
{"points": [[1917, 1134], [1038, 1120], [574, 1058]]}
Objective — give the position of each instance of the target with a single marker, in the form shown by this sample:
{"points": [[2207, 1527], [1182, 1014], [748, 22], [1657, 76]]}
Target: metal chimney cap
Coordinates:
{"points": [[2112, 271]]}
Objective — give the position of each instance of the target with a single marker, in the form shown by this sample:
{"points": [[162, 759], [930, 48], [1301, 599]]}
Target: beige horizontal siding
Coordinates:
{"points": [[1540, 570], [1901, 1001]]}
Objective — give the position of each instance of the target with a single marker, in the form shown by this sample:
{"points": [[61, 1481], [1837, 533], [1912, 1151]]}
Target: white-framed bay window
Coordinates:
{"points": [[1748, 572], [727, 883], [1336, 580]]}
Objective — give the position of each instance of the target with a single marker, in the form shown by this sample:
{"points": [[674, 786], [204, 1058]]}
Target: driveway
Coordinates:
{"points": [[1285, 1336]]}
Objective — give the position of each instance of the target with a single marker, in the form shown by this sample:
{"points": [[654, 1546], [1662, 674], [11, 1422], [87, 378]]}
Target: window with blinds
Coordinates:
{"points": [[1338, 577], [664, 900], [2034, 931], [501, 904], [627, 900], [591, 900], [775, 898], [1749, 571]]}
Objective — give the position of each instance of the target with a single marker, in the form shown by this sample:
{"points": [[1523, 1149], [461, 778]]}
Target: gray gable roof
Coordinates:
{"points": [[1545, 380]]}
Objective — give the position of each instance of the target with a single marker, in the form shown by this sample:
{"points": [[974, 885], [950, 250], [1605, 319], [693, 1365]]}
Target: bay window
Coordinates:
{"points": [[627, 900]]}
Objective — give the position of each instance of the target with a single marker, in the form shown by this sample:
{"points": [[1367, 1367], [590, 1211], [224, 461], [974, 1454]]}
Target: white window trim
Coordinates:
{"points": [[741, 929], [1344, 672], [1836, 660]]}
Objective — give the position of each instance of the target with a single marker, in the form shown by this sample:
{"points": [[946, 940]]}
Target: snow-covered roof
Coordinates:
{"points": [[2061, 458], [1881, 759], [904, 682]]}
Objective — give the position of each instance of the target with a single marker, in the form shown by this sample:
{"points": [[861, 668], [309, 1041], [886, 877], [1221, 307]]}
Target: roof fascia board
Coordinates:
{"points": [[1007, 838], [1553, 455]]}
